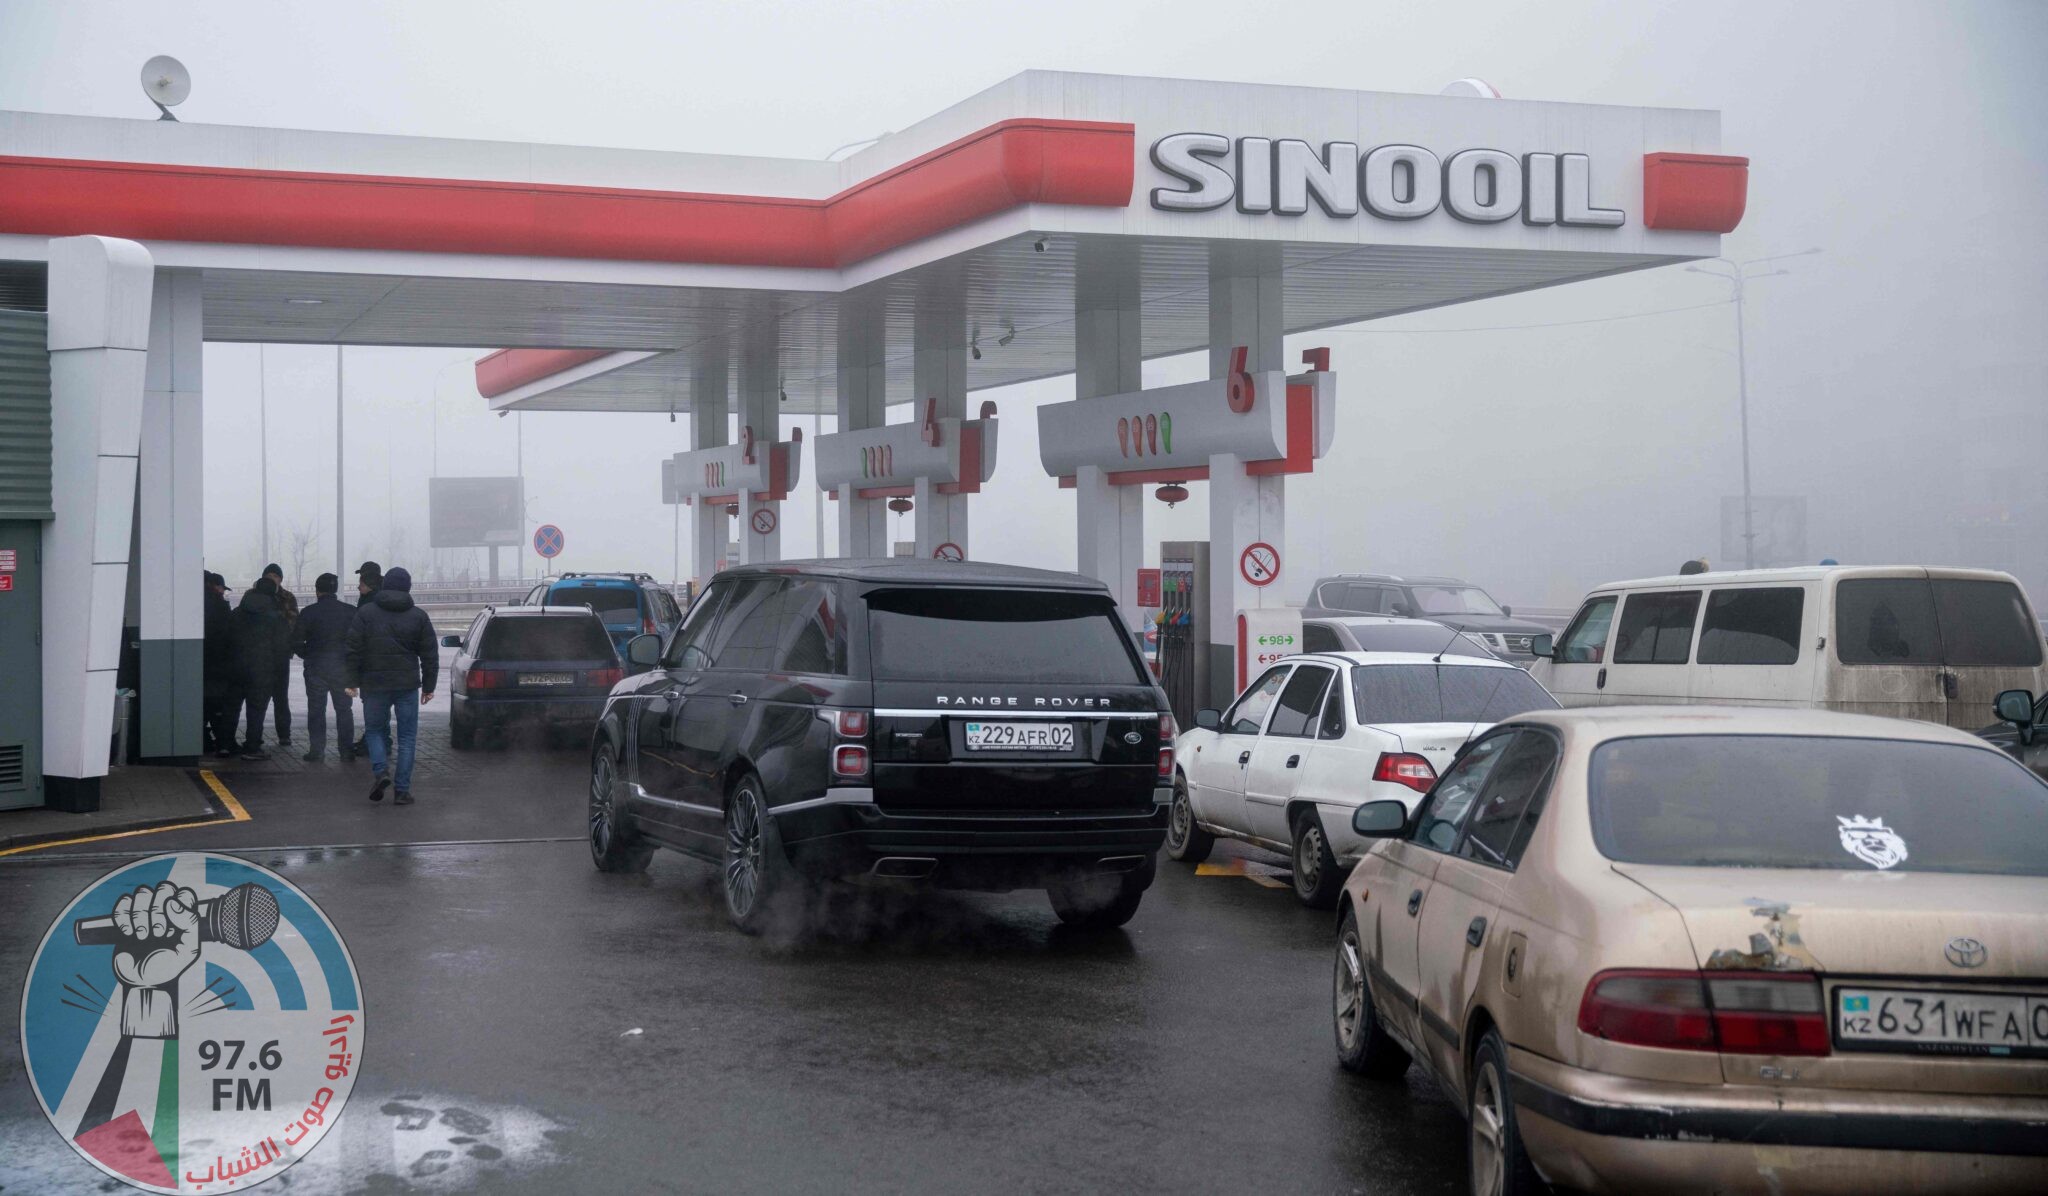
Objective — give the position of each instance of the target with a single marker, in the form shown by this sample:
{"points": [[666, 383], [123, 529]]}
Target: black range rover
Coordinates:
{"points": [[964, 725]]}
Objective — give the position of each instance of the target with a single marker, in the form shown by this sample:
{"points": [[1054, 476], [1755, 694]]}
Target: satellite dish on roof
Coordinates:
{"points": [[1473, 88], [166, 82]]}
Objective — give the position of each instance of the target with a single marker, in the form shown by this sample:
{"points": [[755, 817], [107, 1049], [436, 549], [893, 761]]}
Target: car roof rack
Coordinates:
{"points": [[604, 573]]}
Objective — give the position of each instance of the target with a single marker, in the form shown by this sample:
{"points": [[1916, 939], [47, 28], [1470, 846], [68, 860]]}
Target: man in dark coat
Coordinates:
{"points": [[393, 660], [320, 638], [369, 579], [261, 637], [223, 687], [281, 691]]}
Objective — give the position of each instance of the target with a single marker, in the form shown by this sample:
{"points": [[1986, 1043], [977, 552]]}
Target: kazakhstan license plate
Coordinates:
{"points": [[547, 678], [1941, 1022], [1020, 737]]}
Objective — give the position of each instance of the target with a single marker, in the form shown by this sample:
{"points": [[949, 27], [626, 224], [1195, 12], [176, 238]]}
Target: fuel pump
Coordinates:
{"points": [[1183, 627]]}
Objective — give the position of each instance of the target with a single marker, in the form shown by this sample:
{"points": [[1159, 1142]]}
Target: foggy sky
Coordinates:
{"points": [[1896, 380]]}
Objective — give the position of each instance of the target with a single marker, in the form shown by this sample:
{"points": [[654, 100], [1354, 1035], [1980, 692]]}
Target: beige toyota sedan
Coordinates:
{"points": [[1715, 950]]}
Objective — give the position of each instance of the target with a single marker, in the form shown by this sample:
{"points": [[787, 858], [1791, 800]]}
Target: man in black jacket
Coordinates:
{"points": [[320, 638], [369, 579], [393, 659], [281, 688], [262, 637], [223, 688]]}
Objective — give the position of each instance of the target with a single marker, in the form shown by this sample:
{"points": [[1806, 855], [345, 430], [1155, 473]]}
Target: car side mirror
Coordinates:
{"points": [[451, 641], [643, 651], [1208, 720], [1543, 644], [1380, 819], [1507, 610], [2016, 706]]}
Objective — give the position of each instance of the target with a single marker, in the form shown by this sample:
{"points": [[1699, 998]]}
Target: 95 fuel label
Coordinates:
{"points": [[192, 1023]]}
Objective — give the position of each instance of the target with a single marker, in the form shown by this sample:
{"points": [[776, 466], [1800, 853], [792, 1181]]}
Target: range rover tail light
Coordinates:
{"points": [[850, 760], [850, 724], [1736, 1013], [1405, 768], [1166, 734]]}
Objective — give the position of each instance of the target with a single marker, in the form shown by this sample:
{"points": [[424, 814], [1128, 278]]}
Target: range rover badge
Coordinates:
{"points": [[1133, 738]]}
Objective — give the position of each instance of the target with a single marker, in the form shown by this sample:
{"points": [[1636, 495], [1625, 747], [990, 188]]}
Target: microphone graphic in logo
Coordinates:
{"points": [[244, 917]]}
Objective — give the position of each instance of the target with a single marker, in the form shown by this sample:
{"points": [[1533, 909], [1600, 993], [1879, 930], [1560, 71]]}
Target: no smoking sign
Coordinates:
{"points": [[763, 521], [1259, 563]]}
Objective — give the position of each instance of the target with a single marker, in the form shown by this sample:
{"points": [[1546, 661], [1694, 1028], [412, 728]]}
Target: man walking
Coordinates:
{"points": [[223, 689], [281, 690], [320, 638], [393, 659], [369, 579], [261, 637]]}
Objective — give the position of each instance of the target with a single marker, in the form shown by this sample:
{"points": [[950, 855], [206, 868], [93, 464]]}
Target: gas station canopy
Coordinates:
{"points": [[647, 267]]}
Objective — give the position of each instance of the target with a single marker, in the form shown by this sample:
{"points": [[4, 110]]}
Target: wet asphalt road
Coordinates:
{"points": [[536, 1026]]}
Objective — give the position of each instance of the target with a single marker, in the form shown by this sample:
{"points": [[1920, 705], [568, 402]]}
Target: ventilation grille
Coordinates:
{"points": [[11, 755]]}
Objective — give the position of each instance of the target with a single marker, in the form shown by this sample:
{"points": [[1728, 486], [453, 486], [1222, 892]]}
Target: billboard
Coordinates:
{"points": [[475, 512]]}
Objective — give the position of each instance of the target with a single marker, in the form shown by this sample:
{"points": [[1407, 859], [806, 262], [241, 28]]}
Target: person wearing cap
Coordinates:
{"points": [[223, 692], [393, 659], [281, 689], [320, 638], [369, 579]]}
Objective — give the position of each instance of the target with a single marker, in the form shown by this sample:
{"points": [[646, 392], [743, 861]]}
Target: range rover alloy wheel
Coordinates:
{"points": [[614, 847], [755, 873]]}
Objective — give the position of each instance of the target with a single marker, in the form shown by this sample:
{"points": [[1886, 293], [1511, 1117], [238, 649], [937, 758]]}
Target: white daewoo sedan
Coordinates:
{"points": [[1316, 736]]}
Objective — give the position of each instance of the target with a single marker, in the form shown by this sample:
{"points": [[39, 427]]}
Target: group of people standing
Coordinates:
{"points": [[381, 646]]}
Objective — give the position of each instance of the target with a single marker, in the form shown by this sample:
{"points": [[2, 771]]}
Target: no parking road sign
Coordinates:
{"points": [[548, 540]]}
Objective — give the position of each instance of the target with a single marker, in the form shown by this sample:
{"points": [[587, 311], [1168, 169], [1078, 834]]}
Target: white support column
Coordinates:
{"points": [[709, 406], [1245, 308], [939, 371], [1108, 360], [99, 340], [862, 399], [169, 501], [760, 393]]}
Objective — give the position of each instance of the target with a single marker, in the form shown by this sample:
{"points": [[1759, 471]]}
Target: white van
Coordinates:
{"points": [[1931, 644]]}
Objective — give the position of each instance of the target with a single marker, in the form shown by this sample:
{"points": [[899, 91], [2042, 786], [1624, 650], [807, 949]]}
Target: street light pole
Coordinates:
{"points": [[340, 471], [1742, 394], [1737, 275], [263, 436]]}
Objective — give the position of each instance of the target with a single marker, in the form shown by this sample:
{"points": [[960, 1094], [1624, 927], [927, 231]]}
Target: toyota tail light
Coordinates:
{"points": [[1405, 768], [1736, 1013]]}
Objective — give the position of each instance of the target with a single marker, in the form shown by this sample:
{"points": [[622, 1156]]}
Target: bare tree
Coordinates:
{"points": [[302, 541]]}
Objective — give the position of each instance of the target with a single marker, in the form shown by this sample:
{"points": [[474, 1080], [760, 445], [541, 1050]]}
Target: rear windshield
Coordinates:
{"points": [[1431, 693], [1782, 801], [1395, 637], [613, 604], [547, 638], [997, 635], [1952, 621]]}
